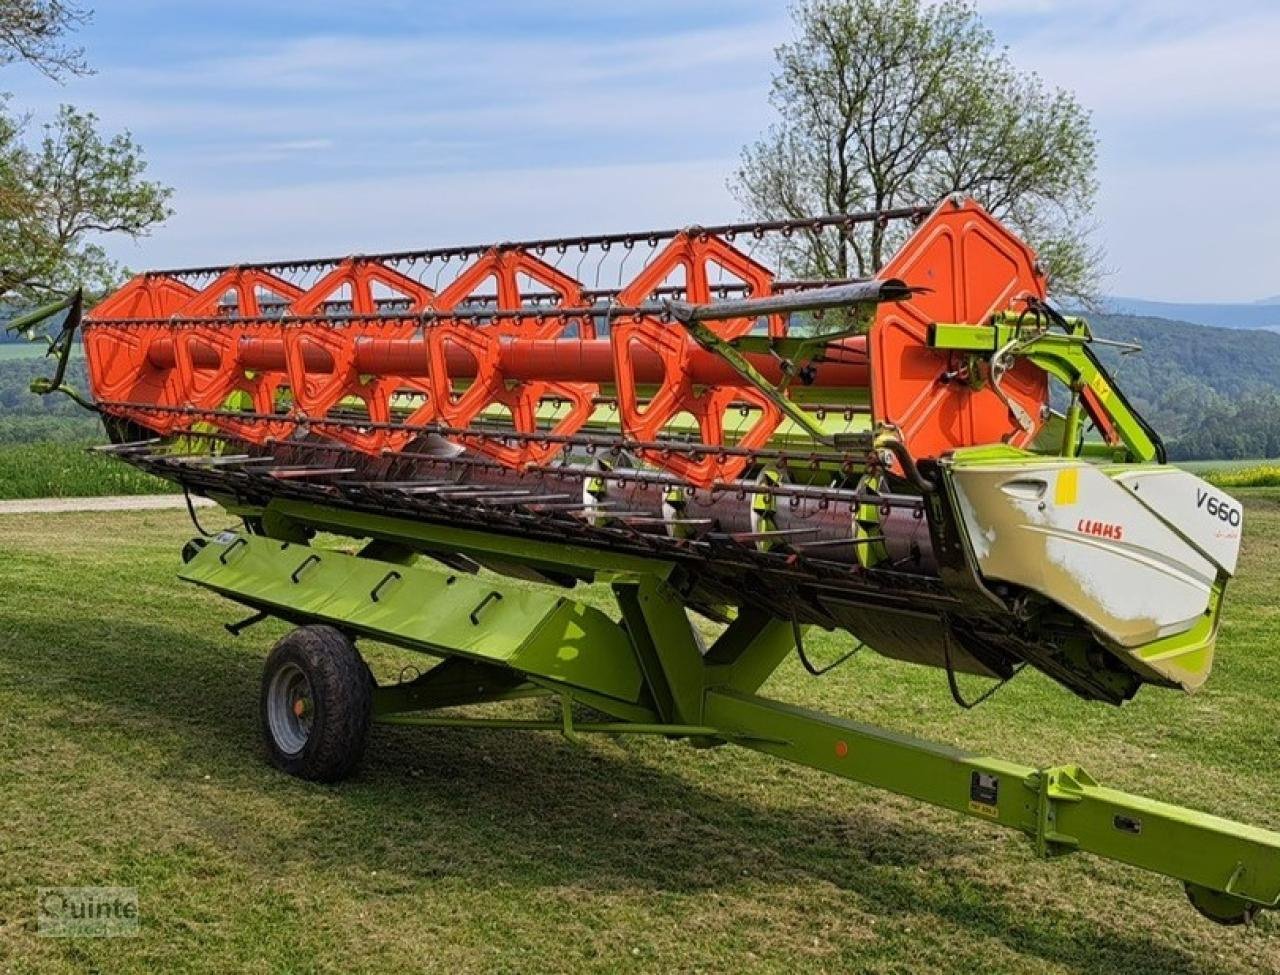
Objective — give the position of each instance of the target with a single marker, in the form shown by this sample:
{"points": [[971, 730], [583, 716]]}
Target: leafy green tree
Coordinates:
{"points": [[60, 196], [887, 103], [65, 189]]}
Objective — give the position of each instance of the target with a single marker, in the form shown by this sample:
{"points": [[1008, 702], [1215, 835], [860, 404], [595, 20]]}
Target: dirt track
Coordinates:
{"points": [[138, 502]]}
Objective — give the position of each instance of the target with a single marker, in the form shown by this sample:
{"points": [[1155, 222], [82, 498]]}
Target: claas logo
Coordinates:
{"points": [[1103, 529]]}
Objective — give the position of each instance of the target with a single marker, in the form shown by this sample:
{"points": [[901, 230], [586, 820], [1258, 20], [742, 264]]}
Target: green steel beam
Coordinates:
{"points": [[749, 650], [526, 724], [452, 682], [562, 557], [1063, 355], [1062, 808], [442, 613], [666, 646], [710, 340], [58, 348]]}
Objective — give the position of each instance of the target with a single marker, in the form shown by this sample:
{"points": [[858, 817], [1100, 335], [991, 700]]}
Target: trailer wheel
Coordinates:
{"points": [[316, 703]]}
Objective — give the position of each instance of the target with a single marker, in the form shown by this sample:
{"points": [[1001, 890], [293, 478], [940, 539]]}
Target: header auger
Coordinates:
{"points": [[665, 412]]}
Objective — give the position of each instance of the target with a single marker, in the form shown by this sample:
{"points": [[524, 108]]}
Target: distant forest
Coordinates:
{"points": [[27, 418], [1212, 393]]}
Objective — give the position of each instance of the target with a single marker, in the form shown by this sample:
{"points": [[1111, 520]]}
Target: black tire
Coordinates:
{"points": [[316, 704]]}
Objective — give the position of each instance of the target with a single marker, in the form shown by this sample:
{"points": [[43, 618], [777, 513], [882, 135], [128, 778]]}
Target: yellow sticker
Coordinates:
{"points": [[1068, 486], [1100, 386], [982, 809]]}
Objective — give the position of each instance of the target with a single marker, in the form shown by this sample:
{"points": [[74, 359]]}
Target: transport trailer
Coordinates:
{"points": [[931, 462]]}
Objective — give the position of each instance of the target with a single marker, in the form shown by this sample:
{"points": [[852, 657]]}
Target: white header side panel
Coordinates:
{"points": [[1212, 519], [1070, 532]]}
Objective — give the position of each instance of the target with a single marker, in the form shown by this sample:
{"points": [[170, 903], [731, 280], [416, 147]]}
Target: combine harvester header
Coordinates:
{"points": [[886, 458]]}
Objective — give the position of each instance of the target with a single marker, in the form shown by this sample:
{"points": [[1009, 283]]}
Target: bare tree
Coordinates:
{"points": [[886, 103], [34, 31]]}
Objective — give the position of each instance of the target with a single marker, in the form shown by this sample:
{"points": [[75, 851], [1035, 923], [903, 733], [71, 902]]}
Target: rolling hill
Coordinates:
{"points": [[1213, 393], [1256, 314]]}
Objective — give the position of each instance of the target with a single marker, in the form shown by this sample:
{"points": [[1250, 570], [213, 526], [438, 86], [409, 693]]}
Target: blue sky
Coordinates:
{"points": [[298, 127]]}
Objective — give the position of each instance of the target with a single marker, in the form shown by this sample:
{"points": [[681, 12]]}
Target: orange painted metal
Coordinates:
{"points": [[691, 255], [159, 346], [317, 391], [487, 385], [973, 268], [119, 365], [235, 295], [563, 360]]}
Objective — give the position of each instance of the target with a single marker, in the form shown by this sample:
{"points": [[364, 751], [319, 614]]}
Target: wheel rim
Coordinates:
{"points": [[290, 708]]}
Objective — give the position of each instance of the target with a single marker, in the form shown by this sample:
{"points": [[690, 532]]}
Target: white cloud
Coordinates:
{"points": [[299, 145], [369, 215], [1192, 231], [400, 132], [407, 103], [467, 67], [1226, 68], [1186, 100]]}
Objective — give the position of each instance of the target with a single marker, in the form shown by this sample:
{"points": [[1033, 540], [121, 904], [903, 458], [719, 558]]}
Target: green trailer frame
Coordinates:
{"points": [[648, 672]]}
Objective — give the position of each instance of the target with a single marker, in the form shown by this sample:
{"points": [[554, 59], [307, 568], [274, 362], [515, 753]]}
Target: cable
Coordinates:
{"points": [[808, 665], [191, 510], [954, 684]]}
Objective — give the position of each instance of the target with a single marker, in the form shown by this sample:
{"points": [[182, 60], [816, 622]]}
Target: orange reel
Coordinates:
{"points": [[677, 394]]}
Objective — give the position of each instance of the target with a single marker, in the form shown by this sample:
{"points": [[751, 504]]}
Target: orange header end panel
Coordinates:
{"points": [[974, 268], [119, 366]]}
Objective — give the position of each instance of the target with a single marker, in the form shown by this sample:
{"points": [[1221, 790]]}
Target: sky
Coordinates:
{"points": [[296, 127]]}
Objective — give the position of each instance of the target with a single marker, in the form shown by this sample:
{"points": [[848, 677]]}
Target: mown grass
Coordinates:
{"points": [[1260, 475], [68, 470], [130, 756]]}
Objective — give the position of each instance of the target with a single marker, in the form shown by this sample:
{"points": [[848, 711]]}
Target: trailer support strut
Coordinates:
{"points": [[649, 674]]}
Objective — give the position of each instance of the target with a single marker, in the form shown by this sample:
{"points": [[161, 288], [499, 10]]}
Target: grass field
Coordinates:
{"points": [[129, 756], [65, 470], [1261, 474], [1202, 467]]}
